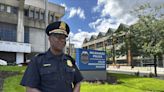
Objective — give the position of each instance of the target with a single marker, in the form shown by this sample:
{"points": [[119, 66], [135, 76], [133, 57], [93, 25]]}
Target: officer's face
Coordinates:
{"points": [[57, 41]]}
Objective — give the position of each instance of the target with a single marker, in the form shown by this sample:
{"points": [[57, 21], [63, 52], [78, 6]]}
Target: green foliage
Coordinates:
{"points": [[150, 29], [145, 38], [73, 56]]}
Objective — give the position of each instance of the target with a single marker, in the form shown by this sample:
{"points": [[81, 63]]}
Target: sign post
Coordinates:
{"points": [[91, 63]]}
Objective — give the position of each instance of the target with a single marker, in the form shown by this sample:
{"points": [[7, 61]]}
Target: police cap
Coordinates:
{"points": [[58, 27]]}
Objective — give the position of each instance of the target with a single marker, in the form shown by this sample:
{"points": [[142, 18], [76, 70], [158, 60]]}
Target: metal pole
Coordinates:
{"points": [[105, 47], [69, 46], [113, 42], [46, 22]]}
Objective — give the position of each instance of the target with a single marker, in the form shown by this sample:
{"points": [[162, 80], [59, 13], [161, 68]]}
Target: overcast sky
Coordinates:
{"points": [[89, 17]]}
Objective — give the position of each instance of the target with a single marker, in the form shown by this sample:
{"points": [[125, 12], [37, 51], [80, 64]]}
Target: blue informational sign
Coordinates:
{"points": [[90, 59]]}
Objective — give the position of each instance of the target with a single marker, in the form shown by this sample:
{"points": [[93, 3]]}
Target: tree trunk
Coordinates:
{"points": [[155, 65]]}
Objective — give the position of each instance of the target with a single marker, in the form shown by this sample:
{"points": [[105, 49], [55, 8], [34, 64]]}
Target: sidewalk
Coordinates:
{"points": [[143, 71]]}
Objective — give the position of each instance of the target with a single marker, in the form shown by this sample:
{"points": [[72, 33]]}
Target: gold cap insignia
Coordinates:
{"points": [[62, 26], [69, 63]]}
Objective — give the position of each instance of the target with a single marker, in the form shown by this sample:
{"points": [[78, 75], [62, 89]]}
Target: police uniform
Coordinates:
{"points": [[52, 73]]}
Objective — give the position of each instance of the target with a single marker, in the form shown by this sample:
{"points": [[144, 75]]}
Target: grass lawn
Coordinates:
{"points": [[128, 83], [11, 84], [13, 68]]}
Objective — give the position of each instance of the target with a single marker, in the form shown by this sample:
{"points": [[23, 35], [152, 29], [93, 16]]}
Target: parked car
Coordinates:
{"points": [[3, 62]]}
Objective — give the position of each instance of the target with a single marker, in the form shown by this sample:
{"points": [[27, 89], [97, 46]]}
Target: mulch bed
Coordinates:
{"points": [[109, 80], [5, 74]]}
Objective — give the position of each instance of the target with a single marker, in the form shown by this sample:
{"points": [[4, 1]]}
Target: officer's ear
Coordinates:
{"points": [[49, 38]]}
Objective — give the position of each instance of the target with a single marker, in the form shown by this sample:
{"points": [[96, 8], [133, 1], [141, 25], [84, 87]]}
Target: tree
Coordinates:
{"points": [[150, 30], [129, 44]]}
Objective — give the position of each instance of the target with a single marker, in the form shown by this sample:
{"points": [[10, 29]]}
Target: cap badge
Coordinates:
{"points": [[69, 63], [62, 26]]}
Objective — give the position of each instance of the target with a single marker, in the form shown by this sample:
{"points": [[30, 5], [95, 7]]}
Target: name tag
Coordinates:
{"points": [[46, 65]]}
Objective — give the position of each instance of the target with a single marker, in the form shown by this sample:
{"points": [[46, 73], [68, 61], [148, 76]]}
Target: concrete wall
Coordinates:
{"points": [[59, 10], [51, 6], [10, 2], [34, 23], [13, 19], [37, 39], [8, 18], [38, 3]]}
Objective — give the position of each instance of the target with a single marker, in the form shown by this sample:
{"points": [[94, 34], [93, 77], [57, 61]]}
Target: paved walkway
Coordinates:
{"points": [[143, 71]]}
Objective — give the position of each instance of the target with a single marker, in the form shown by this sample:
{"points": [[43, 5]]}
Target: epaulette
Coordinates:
{"points": [[40, 54]]}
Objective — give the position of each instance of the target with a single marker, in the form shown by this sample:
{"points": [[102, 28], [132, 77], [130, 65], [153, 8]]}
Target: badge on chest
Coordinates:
{"points": [[69, 63]]}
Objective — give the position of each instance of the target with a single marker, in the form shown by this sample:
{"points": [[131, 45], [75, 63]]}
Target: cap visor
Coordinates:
{"points": [[59, 31]]}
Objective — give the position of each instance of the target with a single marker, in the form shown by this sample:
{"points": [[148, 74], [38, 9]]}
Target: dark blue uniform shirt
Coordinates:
{"points": [[51, 73]]}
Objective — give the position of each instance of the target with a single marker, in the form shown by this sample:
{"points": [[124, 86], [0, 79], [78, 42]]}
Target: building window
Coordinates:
{"points": [[9, 9], [109, 41], [92, 46], [8, 32], [85, 48], [51, 18], [26, 12], [36, 15], [42, 16], [26, 35], [99, 45], [14, 10], [2, 7], [31, 14]]}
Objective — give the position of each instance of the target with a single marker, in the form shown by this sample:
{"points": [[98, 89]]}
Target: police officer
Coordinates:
{"points": [[53, 71]]}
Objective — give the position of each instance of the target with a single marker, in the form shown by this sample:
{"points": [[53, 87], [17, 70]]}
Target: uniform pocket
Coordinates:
{"points": [[49, 73]]}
